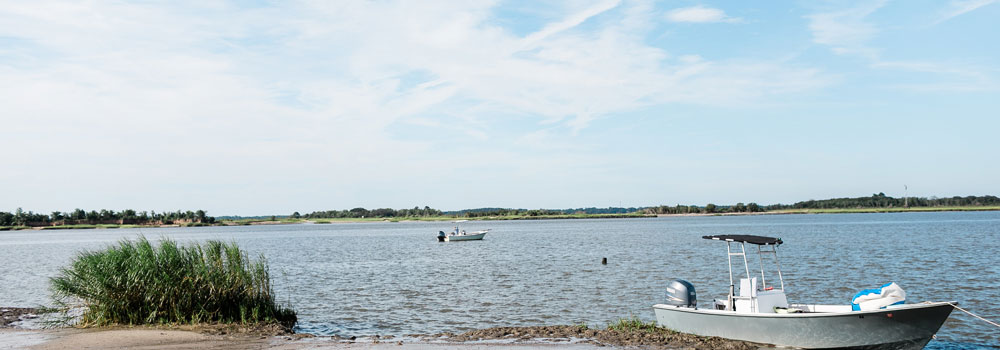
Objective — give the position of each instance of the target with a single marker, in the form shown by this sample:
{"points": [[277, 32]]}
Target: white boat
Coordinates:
{"points": [[761, 314], [461, 235]]}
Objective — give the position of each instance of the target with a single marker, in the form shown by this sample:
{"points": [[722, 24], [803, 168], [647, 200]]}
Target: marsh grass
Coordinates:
{"points": [[633, 324], [135, 282]]}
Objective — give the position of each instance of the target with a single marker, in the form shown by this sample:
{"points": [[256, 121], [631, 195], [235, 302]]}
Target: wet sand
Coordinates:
{"points": [[9, 315], [273, 336], [498, 338], [58, 339]]}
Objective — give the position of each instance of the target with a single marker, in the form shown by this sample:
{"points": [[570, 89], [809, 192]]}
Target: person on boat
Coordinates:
{"points": [[456, 231]]}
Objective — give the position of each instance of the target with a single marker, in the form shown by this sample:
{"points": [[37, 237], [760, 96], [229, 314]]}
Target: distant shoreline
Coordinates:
{"points": [[289, 221], [848, 211]]}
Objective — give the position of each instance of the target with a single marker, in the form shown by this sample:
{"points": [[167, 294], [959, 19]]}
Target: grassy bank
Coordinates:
{"points": [[136, 283], [84, 226], [280, 221], [633, 324], [103, 226], [564, 216], [287, 220]]}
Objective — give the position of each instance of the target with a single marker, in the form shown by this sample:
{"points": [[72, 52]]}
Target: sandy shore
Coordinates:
{"points": [[53, 339], [23, 328], [499, 338]]}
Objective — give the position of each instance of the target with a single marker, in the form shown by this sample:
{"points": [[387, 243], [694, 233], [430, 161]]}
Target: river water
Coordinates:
{"points": [[395, 278]]}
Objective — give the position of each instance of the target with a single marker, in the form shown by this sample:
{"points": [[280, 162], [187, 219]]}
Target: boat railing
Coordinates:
{"points": [[762, 243]]}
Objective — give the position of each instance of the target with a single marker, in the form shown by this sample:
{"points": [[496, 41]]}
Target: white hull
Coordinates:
{"points": [[466, 237], [908, 326]]}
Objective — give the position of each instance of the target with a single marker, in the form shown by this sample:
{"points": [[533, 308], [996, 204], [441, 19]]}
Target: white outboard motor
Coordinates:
{"points": [[681, 293]]}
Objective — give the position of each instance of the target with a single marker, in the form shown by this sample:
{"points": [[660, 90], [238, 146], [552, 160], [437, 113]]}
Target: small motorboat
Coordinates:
{"points": [[461, 235], [760, 313]]}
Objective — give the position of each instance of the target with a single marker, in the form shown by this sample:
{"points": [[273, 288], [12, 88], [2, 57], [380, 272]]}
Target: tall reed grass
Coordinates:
{"points": [[135, 282]]}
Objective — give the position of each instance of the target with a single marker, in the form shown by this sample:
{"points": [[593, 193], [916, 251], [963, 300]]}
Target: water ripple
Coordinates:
{"points": [[394, 278]]}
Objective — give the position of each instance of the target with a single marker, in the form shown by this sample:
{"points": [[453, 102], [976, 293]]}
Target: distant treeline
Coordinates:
{"points": [[373, 213], [104, 216], [707, 209], [880, 200], [480, 212], [129, 216], [485, 212]]}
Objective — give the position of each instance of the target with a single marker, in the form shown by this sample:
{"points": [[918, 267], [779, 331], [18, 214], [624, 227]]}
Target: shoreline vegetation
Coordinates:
{"points": [[139, 283], [109, 219]]}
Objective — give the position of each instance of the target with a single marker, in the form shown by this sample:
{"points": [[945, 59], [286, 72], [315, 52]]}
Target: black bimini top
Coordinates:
{"points": [[746, 239]]}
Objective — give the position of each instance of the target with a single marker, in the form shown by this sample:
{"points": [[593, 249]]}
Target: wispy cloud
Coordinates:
{"points": [[248, 95], [845, 31], [700, 14], [571, 21], [947, 77], [960, 7], [849, 32]]}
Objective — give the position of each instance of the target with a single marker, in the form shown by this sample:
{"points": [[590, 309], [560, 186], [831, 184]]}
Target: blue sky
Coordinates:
{"points": [[254, 108]]}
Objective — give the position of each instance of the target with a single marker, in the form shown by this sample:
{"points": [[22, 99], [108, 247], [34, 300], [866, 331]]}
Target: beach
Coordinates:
{"points": [[552, 337], [24, 328]]}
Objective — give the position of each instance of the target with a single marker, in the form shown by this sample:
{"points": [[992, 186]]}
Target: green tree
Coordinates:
{"points": [[710, 208]]}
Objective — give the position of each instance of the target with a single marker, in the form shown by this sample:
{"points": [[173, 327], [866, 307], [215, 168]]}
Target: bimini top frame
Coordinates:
{"points": [[760, 242]]}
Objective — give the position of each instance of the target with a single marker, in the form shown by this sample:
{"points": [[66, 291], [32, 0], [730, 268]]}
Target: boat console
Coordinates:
{"points": [[753, 300]]}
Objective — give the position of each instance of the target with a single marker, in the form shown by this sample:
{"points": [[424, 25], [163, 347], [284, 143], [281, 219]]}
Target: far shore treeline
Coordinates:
{"points": [[104, 217], [876, 201], [108, 218]]}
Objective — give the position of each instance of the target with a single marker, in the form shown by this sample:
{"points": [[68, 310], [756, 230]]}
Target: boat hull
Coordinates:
{"points": [[475, 237], [909, 326]]}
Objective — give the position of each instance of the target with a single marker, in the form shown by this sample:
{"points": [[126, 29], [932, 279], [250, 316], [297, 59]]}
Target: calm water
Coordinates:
{"points": [[394, 278]]}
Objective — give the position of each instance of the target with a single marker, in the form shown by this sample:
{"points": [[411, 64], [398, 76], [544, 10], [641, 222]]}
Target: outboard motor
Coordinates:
{"points": [[440, 236], [681, 293]]}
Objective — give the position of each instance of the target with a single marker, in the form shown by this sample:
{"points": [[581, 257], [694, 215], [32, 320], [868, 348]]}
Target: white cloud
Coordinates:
{"points": [[571, 21], [960, 7], [848, 32], [699, 14], [947, 77], [845, 31], [155, 97]]}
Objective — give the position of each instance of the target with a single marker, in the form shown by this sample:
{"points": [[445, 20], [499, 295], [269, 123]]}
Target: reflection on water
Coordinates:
{"points": [[395, 278]]}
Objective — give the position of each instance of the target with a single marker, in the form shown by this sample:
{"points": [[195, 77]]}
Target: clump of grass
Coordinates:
{"points": [[633, 324], [135, 282]]}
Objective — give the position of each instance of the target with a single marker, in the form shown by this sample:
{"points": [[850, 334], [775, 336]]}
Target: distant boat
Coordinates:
{"points": [[461, 235], [760, 313]]}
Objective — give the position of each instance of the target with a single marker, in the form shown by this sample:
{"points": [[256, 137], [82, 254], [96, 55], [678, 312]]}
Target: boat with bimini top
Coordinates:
{"points": [[461, 235], [876, 319]]}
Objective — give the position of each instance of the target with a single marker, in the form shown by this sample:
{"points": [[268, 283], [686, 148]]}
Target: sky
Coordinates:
{"points": [[259, 107]]}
